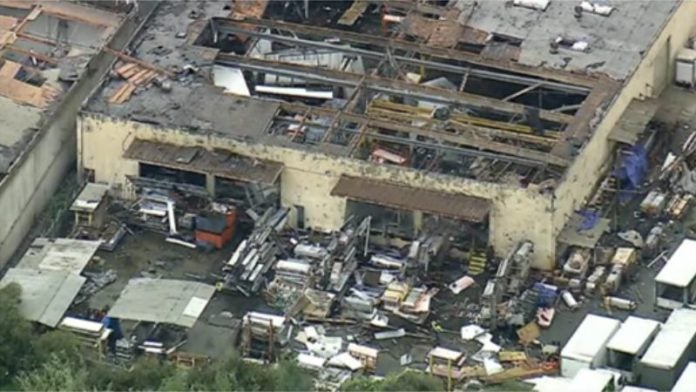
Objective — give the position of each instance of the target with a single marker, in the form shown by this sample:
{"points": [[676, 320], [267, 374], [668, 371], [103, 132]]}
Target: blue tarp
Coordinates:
{"points": [[547, 295], [589, 219], [114, 324], [631, 171]]}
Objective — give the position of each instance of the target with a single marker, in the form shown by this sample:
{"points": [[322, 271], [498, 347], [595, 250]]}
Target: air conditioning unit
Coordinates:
{"points": [[685, 73]]}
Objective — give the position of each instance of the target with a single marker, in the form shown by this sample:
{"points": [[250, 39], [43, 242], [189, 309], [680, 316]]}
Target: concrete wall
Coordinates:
{"points": [[38, 172], [308, 178], [581, 179]]}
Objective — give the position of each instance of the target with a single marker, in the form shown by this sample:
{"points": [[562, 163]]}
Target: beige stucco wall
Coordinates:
{"points": [[308, 178], [583, 175]]}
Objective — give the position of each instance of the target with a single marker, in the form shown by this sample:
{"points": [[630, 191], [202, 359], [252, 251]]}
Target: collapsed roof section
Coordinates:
{"points": [[44, 48], [412, 88]]}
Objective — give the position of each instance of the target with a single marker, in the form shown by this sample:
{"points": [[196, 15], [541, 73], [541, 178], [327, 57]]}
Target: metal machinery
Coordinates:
{"points": [[509, 280]]}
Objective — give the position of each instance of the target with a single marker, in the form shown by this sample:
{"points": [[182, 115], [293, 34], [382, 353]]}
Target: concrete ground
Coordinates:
{"points": [[147, 252]]}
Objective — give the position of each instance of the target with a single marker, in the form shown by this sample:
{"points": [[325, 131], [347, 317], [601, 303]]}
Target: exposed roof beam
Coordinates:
{"points": [[504, 70], [522, 92], [464, 138], [393, 87]]}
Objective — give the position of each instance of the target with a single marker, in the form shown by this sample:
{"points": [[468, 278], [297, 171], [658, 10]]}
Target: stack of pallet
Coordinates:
{"points": [[135, 75], [90, 333]]}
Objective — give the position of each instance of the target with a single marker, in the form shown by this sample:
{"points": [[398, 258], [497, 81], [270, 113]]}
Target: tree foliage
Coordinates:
{"points": [[404, 381], [57, 374], [15, 335], [53, 361]]}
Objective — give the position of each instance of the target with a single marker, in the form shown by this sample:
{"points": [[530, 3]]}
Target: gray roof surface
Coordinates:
{"points": [[193, 103], [46, 295], [170, 301], [617, 42], [90, 197], [19, 122], [60, 254]]}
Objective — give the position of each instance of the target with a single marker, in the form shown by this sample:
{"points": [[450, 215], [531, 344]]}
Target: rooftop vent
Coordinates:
{"points": [[596, 8], [540, 5]]}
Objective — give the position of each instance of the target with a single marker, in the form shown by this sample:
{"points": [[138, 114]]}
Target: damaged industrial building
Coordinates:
{"points": [[485, 191]]}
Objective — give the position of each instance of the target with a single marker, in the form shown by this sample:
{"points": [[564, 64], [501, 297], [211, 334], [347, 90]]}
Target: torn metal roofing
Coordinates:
{"points": [[46, 294], [197, 159], [455, 206], [170, 301]]}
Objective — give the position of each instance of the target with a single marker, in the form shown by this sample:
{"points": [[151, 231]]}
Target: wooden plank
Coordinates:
{"points": [[23, 93], [38, 56], [122, 94], [81, 13], [512, 356], [135, 78], [8, 22], [9, 69], [147, 78], [141, 63], [120, 70], [130, 73], [353, 13]]}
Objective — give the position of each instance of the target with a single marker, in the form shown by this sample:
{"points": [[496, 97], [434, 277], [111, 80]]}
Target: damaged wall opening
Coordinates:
{"points": [[175, 176]]}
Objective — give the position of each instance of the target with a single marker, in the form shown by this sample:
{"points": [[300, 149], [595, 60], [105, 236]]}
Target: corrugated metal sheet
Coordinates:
{"points": [[457, 206], [46, 294], [170, 301], [197, 159]]}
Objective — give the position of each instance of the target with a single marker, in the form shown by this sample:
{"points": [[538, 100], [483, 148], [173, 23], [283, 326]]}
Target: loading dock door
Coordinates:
{"points": [[455, 206]]}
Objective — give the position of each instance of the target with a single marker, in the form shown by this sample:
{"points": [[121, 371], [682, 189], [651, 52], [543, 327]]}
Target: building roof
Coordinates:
{"points": [[494, 115], [60, 254], [590, 337], [46, 294], [45, 48], [680, 269], [687, 380], [616, 42], [170, 301], [676, 334], [391, 195], [590, 380], [633, 334], [90, 197]]}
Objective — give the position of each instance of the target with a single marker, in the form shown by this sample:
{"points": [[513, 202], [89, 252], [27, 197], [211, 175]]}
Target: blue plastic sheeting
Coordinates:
{"points": [[547, 294], [115, 325], [631, 172], [590, 218]]}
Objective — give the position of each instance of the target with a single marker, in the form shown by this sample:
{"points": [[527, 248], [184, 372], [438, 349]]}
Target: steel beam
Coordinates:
{"points": [[465, 138], [503, 71], [393, 87], [522, 92], [398, 140]]}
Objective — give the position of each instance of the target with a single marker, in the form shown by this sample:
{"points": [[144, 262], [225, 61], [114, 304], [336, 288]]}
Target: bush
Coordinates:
{"points": [[404, 381]]}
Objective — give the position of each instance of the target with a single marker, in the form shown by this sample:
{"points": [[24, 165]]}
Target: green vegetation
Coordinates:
{"points": [[52, 361], [405, 381]]}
